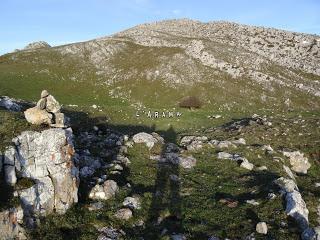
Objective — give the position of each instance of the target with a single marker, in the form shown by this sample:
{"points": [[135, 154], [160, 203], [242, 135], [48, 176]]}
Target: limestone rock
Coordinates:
{"points": [[132, 202], [295, 205], [36, 45], [42, 104], [46, 158], [240, 141], [37, 116], [44, 94], [262, 228], [53, 105], [187, 162], [10, 227], [225, 155], [123, 214], [299, 163], [105, 191], [296, 208], [246, 164], [10, 104], [146, 138]]}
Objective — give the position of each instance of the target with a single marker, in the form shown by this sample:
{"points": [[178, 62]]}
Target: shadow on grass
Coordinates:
{"points": [[165, 208]]}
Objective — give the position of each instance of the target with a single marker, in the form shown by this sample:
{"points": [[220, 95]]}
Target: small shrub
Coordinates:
{"points": [[190, 102]]}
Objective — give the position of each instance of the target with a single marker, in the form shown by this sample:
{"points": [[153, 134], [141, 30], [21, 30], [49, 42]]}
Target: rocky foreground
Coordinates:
{"points": [[126, 176]]}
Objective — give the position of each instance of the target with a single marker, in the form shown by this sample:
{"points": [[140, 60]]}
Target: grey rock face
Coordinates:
{"points": [[46, 158], [10, 227]]}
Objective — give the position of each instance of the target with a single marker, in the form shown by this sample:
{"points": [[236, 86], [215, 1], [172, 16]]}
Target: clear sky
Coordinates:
{"points": [[65, 21]]}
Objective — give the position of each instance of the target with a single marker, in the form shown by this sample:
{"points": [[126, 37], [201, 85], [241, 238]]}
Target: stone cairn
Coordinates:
{"points": [[47, 111]]}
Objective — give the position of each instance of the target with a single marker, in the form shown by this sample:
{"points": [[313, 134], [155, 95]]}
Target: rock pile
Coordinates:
{"points": [[47, 111]]}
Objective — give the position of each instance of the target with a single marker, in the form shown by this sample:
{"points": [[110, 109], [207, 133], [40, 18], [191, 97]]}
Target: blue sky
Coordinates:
{"points": [[65, 21]]}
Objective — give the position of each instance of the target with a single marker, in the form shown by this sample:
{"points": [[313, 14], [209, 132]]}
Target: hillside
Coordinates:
{"points": [[231, 67]]}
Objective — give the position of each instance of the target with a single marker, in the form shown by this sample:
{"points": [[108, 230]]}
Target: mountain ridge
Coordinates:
{"points": [[258, 64]]}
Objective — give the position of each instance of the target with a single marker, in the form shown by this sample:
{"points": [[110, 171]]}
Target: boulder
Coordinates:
{"points": [[45, 158], [187, 162], [37, 116], [146, 138], [297, 209], [295, 205], [246, 164], [123, 214], [262, 228], [299, 163], [105, 191], [42, 103], [132, 202], [53, 105], [225, 155]]}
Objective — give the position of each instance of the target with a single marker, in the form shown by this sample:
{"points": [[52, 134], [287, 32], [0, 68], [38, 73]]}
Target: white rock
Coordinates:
{"points": [[187, 162], [299, 163], [123, 214], [296, 208], [146, 138], [105, 191], [252, 202], [225, 155], [132, 202], [226, 144], [262, 228], [289, 172], [247, 165], [36, 116], [240, 141], [10, 175]]}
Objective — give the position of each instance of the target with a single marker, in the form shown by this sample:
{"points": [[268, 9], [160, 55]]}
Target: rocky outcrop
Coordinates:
{"points": [[37, 45], [295, 205], [45, 159]]}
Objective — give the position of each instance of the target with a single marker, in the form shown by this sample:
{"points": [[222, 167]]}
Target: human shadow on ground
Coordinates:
{"points": [[164, 215]]}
